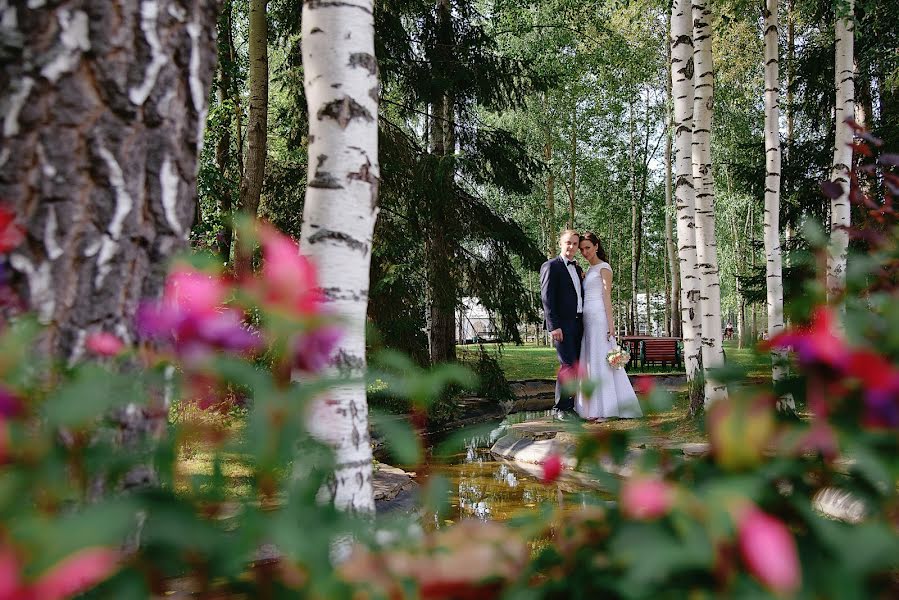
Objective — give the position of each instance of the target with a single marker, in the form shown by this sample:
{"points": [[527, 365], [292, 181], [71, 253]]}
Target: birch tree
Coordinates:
{"points": [[104, 104], [703, 180], [682, 74], [842, 152], [341, 83], [257, 118], [773, 261]]}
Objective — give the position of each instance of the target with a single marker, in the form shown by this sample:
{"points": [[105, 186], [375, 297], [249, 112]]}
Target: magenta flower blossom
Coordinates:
{"points": [[552, 468], [312, 351], [288, 278], [191, 318], [769, 551], [816, 344], [10, 403], [72, 576], [104, 344], [646, 498]]}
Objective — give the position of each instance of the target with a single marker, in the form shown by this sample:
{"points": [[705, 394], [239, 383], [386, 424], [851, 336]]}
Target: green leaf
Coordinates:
{"points": [[91, 394], [401, 439]]}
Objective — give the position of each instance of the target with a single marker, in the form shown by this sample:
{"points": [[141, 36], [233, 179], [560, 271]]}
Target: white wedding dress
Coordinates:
{"points": [[614, 395]]}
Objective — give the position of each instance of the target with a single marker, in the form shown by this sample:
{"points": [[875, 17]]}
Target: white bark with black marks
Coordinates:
{"points": [[682, 75], [103, 107], [341, 83], [842, 153], [703, 180], [773, 260]]}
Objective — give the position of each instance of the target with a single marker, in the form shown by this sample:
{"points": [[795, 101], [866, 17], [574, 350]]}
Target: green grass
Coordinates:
{"points": [[535, 362], [540, 362]]}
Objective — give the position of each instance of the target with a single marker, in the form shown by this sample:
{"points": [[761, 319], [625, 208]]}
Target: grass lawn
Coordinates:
{"points": [[540, 362]]}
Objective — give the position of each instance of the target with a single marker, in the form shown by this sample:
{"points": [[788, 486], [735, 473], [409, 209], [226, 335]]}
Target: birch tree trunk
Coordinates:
{"points": [[682, 75], [257, 119], [842, 153], [673, 304], [341, 84], [223, 145], [773, 263], [104, 104], [706, 246]]}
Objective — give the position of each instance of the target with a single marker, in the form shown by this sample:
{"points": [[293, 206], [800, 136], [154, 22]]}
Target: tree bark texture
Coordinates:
{"points": [[225, 201], [257, 118], [341, 84], [703, 180], [682, 74], [773, 261], [104, 105], [441, 291], [672, 311], [842, 153]]}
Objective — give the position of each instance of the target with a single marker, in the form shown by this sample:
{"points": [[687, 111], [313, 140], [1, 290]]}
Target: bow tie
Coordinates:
{"points": [[570, 262]]}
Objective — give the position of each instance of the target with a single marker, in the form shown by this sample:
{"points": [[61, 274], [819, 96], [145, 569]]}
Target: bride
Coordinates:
{"points": [[614, 396]]}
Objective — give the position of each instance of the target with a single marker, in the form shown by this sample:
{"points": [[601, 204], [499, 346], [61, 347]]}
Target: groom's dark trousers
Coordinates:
{"points": [[559, 298]]}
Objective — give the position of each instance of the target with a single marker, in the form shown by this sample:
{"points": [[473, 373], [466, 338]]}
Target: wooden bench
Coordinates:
{"points": [[659, 351]]}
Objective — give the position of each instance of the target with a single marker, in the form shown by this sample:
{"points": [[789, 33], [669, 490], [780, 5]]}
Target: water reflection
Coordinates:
{"points": [[487, 488]]}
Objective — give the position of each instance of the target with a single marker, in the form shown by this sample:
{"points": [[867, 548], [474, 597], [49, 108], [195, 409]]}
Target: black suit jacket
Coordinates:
{"points": [[558, 293]]}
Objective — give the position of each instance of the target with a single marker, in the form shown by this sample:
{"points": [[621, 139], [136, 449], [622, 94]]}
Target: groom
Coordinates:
{"points": [[562, 293]]}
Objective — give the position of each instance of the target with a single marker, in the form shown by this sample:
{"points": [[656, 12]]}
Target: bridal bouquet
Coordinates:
{"points": [[618, 357]]}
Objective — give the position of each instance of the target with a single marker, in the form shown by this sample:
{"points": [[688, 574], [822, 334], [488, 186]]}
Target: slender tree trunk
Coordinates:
{"points": [[682, 74], [572, 186], [773, 268], [842, 154], [341, 84], [441, 289], [791, 76], [672, 310], [101, 168], [550, 229], [238, 108], [223, 146], [257, 121], [706, 247], [635, 221]]}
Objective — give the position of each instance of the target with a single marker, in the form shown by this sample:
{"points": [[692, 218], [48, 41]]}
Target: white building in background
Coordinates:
{"points": [[656, 325], [474, 322]]}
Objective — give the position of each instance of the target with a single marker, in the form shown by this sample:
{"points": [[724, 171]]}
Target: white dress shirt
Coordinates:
{"points": [[576, 280]]}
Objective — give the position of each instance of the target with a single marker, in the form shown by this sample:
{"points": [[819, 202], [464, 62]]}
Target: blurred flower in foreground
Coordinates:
{"points": [[646, 498], [552, 468], [71, 576], [192, 317], [769, 550], [740, 430], [10, 403], [469, 560], [312, 350], [289, 279], [11, 233], [816, 344], [104, 344]]}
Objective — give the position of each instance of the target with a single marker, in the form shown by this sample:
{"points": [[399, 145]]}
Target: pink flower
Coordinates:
{"points": [[104, 344], [644, 385], [552, 468], [571, 375], [76, 574], [312, 351], [646, 498], [880, 380], [816, 344], [10, 403], [11, 233], [192, 318], [288, 278], [194, 291], [10, 582], [769, 551]]}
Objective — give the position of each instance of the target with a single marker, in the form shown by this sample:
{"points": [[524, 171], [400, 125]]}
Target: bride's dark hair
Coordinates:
{"points": [[600, 251]]}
